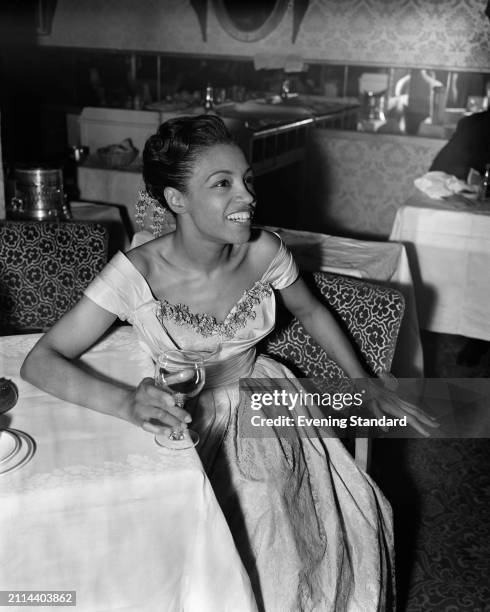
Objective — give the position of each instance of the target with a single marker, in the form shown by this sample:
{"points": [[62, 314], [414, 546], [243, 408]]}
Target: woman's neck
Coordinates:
{"points": [[198, 253]]}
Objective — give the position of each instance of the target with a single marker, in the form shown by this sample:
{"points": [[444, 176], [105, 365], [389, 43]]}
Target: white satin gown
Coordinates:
{"points": [[313, 531]]}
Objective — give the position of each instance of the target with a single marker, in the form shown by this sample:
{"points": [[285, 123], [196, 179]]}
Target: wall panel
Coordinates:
{"points": [[437, 33]]}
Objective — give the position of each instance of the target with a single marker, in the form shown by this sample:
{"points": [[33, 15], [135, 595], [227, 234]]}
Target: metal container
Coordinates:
{"points": [[38, 194]]}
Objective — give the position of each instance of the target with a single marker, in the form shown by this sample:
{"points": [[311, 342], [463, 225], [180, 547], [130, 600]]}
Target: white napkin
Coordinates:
{"points": [[439, 185]]}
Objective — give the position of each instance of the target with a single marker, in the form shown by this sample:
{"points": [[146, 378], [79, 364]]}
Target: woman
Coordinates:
{"points": [[313, 531]]}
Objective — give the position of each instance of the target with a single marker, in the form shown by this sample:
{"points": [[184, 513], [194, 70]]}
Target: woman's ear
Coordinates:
{"points": [[175, 200]]}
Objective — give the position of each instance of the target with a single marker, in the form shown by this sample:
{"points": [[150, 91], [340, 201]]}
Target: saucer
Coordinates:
{"points": [[9, 445], [17, 450]]}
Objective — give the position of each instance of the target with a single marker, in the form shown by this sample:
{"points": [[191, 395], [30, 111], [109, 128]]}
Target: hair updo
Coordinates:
{"points": [[170, 154]]}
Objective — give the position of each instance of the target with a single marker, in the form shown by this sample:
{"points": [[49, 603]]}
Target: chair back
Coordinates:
{"points": [[44, 268], [371, 314]]}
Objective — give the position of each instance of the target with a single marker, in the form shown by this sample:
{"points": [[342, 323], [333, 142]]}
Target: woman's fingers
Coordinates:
{"points": [[413, 422], [410, 410], [155, 410], [377, 413], [416, 418], [389, 403], [164, 417], [159, 398], [153, 428]]}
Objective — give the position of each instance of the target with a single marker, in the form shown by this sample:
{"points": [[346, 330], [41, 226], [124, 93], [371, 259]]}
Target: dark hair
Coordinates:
{"points": [[170, 154]]}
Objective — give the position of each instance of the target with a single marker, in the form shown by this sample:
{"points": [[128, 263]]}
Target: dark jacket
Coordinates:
{"points": [[468, 148]]}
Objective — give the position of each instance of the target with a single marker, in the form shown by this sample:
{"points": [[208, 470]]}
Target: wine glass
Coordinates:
{"points": [[181, 373]]}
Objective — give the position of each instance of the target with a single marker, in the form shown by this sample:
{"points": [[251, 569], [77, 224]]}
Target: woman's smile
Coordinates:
{"points": [[241, 216]]}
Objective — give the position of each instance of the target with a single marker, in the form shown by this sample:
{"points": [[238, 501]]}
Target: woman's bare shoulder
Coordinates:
{"points": [[262, 248], [264, 244], [143, 256]]}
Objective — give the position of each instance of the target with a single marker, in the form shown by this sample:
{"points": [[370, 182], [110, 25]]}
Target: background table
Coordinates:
{"points": [[448, 245], [101, 509], [111, 185]]}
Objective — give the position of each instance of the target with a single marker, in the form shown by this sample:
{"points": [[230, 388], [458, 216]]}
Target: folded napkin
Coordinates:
{"points": [[439, 185]]}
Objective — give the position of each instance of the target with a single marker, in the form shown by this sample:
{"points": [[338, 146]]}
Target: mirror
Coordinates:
{"points": [[250, 20]]}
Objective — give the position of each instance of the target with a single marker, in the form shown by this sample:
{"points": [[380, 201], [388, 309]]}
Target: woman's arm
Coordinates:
{"points": [[52, 365], [323, 328]]}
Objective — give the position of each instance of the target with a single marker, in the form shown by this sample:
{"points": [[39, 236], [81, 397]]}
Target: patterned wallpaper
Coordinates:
{"points": [[437, 33], [355, 182]]}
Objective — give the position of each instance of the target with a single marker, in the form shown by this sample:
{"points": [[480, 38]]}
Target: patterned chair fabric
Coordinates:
{"points": [[370, 313], [44, 268]]}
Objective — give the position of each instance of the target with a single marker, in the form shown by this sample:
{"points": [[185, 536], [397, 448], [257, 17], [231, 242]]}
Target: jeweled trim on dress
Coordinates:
{"points": [[206, 324]]}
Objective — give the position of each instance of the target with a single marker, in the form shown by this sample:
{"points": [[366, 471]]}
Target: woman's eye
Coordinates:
{"points": [[222, 183]]}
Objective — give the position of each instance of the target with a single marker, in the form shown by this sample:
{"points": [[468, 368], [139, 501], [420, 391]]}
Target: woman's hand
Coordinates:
{"points": [[154, 409], [383, 399]]}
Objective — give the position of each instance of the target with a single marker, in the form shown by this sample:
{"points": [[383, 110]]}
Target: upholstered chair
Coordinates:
{"points": [[44, 268], [371, 314]]}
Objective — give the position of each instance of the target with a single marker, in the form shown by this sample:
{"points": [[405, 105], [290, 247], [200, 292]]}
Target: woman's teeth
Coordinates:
{"points": [[241, 217]]}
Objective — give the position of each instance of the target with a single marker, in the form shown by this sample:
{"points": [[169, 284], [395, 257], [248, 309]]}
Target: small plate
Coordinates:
{"points": [[25, 453], [9, 445]]}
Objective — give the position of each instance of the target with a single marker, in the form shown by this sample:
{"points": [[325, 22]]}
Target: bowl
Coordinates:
{"points": [[117, 159]]}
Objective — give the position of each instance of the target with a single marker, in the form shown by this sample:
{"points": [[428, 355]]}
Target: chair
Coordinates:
{"points": [[371, 315], [44, 268]]}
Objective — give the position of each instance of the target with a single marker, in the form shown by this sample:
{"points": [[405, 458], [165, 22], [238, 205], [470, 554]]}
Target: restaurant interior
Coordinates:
{"points": [[341, 108]]}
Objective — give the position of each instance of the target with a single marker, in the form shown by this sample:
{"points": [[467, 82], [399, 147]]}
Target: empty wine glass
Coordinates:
{"points": [[181, 373]]}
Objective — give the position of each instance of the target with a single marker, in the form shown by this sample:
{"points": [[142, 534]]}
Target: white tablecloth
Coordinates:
{"points": [[112, 186], [448, 244], [104, 511]]}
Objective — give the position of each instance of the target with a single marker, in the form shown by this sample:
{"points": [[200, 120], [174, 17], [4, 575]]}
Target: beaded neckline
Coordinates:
{"points": [[206, 324]]}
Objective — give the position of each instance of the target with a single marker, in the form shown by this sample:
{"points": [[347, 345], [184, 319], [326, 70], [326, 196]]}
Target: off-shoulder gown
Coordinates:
{"points": [[313, 530]]}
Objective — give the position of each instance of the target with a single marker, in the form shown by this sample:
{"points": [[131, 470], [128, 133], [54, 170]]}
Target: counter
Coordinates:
{"points": [[273, 137]]}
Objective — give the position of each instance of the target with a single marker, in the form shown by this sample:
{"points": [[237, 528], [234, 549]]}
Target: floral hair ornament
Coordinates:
{"points": [[147, 204], [144, 202]]}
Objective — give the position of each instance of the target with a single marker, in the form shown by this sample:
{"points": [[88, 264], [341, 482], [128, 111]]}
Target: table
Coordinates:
{"points": [[111, 186], [101, 509], [448, 245]]}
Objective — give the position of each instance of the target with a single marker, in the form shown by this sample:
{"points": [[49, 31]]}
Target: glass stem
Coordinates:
{"points": [[179, 399], [178, 432]]}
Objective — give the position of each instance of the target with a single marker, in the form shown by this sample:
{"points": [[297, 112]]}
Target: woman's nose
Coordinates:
{"points": [[247, 193]]}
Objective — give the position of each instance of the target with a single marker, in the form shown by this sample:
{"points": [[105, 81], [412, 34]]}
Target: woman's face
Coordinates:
{"points": [[220, 198]]}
